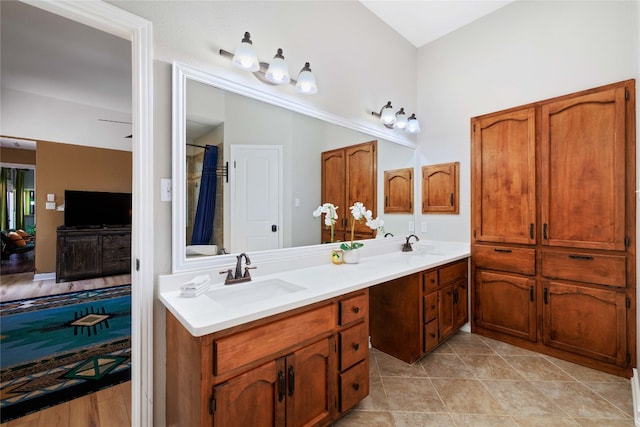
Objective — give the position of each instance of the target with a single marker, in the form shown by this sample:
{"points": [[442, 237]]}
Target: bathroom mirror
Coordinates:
{"points": [[215, 112]]}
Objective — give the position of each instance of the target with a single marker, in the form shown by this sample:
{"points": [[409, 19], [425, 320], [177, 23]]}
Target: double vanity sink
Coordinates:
{"points": [[292, 344], [224, 306]]}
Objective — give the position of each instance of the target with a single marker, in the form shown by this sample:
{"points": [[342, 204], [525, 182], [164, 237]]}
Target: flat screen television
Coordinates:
{"points": [[96, 209]]}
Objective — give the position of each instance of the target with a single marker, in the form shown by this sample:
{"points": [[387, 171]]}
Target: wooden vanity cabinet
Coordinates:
{"points": [[412, 315], [553, 229], [304, 367]]}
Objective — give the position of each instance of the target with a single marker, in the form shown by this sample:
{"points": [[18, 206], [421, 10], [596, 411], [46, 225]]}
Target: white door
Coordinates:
{"points": [[256, 197]]}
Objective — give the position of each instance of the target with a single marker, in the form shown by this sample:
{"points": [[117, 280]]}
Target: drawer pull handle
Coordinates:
{"points": [[581, 257], [292, 380], [356, 346], [356, 386], [433, 306], [506, 251], [356, 310]]}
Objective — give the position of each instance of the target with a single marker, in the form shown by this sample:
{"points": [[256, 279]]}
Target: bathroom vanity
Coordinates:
{"points": [[291, 347]]}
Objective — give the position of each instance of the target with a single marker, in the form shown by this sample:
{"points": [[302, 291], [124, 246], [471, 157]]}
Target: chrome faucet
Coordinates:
{"points": [[239, 277], [407, 246]]}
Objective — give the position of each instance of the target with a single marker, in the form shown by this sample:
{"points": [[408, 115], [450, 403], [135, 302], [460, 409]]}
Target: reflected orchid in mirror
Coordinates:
{"points": [[330, 215], [361, 214]]}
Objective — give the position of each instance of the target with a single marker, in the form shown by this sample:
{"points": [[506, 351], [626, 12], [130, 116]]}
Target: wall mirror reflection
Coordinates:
{"points": [[247, 174]]}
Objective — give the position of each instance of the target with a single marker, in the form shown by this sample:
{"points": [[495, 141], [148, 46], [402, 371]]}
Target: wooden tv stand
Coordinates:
{"points": [[92, 252]]}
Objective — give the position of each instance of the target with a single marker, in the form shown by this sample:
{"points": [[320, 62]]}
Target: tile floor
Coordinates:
{"points": [[476, 381]]}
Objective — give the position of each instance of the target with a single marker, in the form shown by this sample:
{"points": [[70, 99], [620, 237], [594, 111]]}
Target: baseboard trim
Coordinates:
{"points": [[635, 392], [44, 276]]}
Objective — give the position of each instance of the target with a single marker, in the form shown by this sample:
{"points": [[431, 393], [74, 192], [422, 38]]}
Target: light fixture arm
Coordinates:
{"points": [[262, 71], [410, 125]]}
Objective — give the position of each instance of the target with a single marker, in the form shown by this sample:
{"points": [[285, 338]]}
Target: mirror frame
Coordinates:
{"points": [[182, 72]]}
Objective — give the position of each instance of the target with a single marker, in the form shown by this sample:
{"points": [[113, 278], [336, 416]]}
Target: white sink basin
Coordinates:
{"points": [[251, 292]]}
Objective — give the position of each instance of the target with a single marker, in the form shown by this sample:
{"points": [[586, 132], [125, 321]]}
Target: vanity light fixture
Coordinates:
{"points": [[398, 119], [276, 73]]}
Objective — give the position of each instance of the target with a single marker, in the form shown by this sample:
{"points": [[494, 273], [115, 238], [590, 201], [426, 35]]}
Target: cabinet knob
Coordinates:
{"points": [[433, 335], [356, 310], [356, 386], [433, 307], [356, 346]]}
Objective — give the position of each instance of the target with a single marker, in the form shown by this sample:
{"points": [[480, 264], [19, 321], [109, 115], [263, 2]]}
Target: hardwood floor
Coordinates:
{"points": [[110, 407]]}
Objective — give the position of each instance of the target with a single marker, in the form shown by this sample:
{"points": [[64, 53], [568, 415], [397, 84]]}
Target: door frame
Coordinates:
{"points": [[113, 20]]}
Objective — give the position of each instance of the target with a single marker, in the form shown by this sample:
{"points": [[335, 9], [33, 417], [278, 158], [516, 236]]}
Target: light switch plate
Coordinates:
{"points": [[411, 226], [423, 227]]}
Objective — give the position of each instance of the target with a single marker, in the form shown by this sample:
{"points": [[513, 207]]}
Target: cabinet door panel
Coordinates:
{"points": [[440, 188], [461, 308], [446, 315], [333, 179], [252, 399], [583, 171], [503, 177], [308, 385], [361, 181], [398, 191], [81, 256], [586, 321], [505, 303]]}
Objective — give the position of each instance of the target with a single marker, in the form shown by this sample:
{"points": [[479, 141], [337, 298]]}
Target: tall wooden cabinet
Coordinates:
{"points": [[349, 175], [553, 227]]}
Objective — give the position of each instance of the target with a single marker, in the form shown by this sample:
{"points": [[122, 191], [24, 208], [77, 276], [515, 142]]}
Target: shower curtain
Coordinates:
{"points": [[203, 223]]}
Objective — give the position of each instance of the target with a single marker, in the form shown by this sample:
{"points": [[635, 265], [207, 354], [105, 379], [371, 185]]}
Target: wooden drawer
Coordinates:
{"points": [[354, 385], [502, 258], [354, 345], [430, 281], [430, 307], [354, 308], [585, 267], [116, 266], [258, 342], [430, 335], [116, 241], [453, 272]]}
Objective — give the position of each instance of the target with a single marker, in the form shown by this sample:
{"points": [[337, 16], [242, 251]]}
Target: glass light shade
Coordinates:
{"points": [[413, 126], [401, 119], [245, 57], [278, 72], [306, 81], [387, 115]]}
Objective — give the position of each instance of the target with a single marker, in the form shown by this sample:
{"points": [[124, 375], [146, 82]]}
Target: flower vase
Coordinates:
{"points": [[351, 256]]}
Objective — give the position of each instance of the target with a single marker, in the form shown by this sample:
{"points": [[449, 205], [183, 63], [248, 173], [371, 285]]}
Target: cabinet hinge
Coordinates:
{"points": [[628, 302], [626, 94], [627, 241], [212, 405], [628, 359]]}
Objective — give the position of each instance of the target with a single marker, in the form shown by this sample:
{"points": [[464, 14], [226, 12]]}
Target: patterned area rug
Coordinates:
{"points": [[57, 348]]}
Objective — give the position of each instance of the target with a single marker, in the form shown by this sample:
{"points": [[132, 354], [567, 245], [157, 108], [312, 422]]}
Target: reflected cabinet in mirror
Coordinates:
{"points": [[247, 174]]}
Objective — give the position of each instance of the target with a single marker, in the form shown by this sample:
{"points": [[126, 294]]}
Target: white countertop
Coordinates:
{"points": [[203, 315]]}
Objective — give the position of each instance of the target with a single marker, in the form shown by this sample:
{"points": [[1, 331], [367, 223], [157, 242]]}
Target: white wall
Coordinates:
{"points": [[358, 61], [525, 52]]}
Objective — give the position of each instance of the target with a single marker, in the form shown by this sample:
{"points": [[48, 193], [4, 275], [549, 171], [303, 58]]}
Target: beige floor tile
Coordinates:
{"points": [[365, 418], [490, 367], [443, 365], [466, 343], [582, 373], [617, 393], [508, 349], [412, 395], [467, 397], [467, 420], [604, 422], [577, 400], [442, 348], [521, 398], [389, 366], [545, 421], [414, 419], [536, 368]]}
